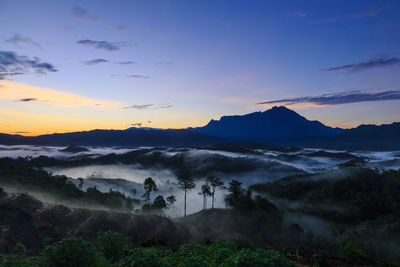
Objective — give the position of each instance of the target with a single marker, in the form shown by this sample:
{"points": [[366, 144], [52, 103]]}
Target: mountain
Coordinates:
{"points": [[275, 123], [129, 137], [276, 126], [373, 137]]}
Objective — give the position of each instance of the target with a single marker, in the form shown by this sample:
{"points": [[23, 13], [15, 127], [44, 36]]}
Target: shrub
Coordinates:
{"points": [[71, 252], [143, 257], [113, 245], [242, 242]]}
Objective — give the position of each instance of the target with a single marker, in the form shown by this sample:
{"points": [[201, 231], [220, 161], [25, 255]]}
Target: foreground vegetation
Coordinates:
{"points": [[115, 249]]}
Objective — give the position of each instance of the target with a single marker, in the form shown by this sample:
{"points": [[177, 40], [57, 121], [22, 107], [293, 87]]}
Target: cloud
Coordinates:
{"points": [[340, 98], [166, 105], [149, 106], [12, 64], [125, 62], [146, 106], [138, 76], [103, 45], [21, 132], [26, 99], [299, 14], [19, 40], [25, 93], [95, 61], [137, 124], [120, 28], [360, 15], [375, 63], [82, 13]]}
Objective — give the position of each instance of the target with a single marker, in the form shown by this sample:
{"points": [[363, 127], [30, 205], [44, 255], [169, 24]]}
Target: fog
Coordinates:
{"points": [[257, 166]]}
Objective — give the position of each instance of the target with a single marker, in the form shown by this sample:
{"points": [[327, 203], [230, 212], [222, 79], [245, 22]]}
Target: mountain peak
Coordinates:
{"points": [[276, 123]]}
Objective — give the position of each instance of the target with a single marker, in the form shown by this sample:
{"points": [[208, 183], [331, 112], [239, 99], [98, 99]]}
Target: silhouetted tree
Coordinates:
{"points": [[216, 184], [205, 191], [171, 200], [185, 182], [80, 183], [149, 186], [159, 203]]}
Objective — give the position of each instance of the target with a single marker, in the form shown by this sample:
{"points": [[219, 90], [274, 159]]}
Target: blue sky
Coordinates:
{"points": [[187, 62]]}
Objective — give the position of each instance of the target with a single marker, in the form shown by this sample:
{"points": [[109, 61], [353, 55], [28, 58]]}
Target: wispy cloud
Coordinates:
{"points": [[299, 14], [354, 16], [29, 99], [120, 28], [95, 61], [82, 13], [340, 98], [12, 64], [149, 106], [145, 106], [125, 62], [19, 40], [138, 76], [375, 63], [103, 45], [136, 124], [24, 93]]}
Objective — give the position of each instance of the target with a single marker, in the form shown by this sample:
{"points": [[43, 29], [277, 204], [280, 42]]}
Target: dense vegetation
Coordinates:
{"points": [[115, 249]]}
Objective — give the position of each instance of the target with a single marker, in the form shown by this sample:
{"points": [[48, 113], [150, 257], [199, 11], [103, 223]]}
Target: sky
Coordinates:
{"points": [[80, 65]]}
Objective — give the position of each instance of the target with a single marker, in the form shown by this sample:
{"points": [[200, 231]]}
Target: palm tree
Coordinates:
{"points": [[205, 191]]}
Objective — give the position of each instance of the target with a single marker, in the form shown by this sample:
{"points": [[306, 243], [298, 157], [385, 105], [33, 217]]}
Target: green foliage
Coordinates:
{"points": [[258, 258], [350, 252], [242, 243], [20, 248], [143, 257], [17, 262], [71, 252], [113, 245]]}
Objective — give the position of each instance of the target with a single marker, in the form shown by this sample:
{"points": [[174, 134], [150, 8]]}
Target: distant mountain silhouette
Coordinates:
{"points": [[374, 137], [275, 123], [276, 126], [130, 137]]}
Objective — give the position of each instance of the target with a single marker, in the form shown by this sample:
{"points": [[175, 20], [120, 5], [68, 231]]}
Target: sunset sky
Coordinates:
{"points": [[81, 65]]}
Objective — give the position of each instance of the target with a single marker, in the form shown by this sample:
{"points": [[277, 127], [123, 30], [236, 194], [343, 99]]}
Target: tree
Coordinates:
{"points": [[216, 184], [185, 182], [159, 203], [80, 183], [236, 193], [149, 186], [205, 191], [171, 200]]}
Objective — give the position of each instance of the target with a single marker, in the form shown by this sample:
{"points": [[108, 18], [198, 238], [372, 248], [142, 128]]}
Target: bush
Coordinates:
{"points": [[143, 257], [241, 243], [350, 252], [17, 262], [258, 258], [113, 245], [71, 252]]}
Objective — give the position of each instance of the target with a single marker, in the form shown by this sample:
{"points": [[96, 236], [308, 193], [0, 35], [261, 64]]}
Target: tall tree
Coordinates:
{"points": [[149, 186], [205, 191], [185, 182], [216, 184]]}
